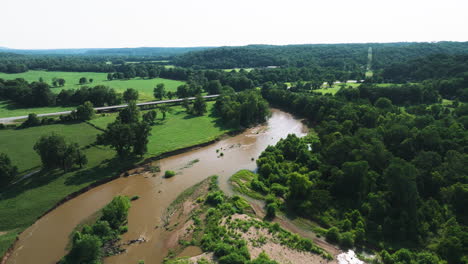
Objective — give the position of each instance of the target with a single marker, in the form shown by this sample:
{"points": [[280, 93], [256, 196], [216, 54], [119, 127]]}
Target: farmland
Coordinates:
{"points": [[144, 86]]}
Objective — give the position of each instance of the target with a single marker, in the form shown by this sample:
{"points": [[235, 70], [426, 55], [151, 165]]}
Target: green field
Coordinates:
{"points": [[18, 143], [24, 201], [144, 86], [9, 110]]}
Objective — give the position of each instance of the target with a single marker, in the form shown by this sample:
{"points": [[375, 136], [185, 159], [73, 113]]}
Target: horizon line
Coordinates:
{"points": [[220, 46]]}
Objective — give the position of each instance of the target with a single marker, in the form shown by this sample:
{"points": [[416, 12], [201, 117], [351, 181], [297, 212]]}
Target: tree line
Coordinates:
{"points": [[38, 94]]}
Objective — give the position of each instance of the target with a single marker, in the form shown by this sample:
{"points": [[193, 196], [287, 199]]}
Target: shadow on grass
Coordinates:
{"points": [[107, 168], [219, 123]]}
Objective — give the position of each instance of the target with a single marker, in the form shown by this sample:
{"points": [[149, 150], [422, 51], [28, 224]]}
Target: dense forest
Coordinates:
{"points": [[376, 175], [339, 56]]}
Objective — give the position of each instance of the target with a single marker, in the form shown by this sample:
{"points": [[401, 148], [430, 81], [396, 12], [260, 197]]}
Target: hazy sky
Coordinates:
{"points": [[124, 23]]}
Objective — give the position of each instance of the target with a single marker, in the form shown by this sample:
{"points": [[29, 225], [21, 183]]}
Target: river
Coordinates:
{"points": [[45, 241]]}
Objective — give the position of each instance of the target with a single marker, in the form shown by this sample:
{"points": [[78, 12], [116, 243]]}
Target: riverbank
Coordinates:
{"points": [[26, 201], [155, 192], [225, 227]]}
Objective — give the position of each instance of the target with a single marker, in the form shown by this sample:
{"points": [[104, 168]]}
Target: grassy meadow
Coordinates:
{"points": [[23, 202], [144, 86]]}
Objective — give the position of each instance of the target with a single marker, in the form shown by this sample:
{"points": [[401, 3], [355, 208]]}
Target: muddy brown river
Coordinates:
{"points": [[45, 241]]}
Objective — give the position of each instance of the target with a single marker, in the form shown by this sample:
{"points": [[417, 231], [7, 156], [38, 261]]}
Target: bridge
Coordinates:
{"points": [[109, 108]]}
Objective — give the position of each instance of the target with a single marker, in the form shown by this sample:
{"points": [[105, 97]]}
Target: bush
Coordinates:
{"points": [[222, 249], [123, 229], [169, 174], [259, 186], [32, 120], [271, 210], [215, 198], [279, 190], [232, 258], [333, 235], [347, 239], [85, 250], [135, 197], [116, 211]]}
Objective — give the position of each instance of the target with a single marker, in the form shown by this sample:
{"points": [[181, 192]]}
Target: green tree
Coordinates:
{"points": [[7, 170], [150, 116], [56, 153], [199, 106], [83, 80], [384, 103], [130, 114], [164, 109], [110, 76], [116, 212], [159, 91], [299, 186], [142, 131], [87, 249], [401, 179], [61, 81], [85, 111], [119, 136], [130, 95], [214, 87], [32, 120]]}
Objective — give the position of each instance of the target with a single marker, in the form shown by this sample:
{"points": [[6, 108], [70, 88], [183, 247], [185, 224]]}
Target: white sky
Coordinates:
{"points": [[135, 23]]}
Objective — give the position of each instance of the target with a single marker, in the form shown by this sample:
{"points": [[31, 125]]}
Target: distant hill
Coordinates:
{"points": [[144, 51], [339, 56]]}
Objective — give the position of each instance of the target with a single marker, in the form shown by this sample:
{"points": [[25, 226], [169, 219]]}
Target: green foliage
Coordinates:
{"points": [[199, 106], [333, 235], [242, 109], [130, 114], [56, 153], [85, 111], [159, 91], [271, 210], [150, 116], [127, 135], [130, 95], [215, 198], [263, 259], [169, 174], [7, 171], [32, 121], [375, 174], [88, 244], [116, 211], [87, 249]]}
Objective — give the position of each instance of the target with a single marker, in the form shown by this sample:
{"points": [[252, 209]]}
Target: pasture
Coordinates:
{"points": [[144, 86]]}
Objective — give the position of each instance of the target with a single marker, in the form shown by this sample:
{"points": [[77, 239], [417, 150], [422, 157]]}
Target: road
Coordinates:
{"points": [[106, 108]]}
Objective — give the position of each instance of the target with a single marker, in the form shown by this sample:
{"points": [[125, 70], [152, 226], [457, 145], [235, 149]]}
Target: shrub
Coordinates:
{"points": [[333, 235], [232, 258], [85, 250], [169, 174], [271, 210], [215, 198], [123, 229], [135, 197], [259, 186], [116, 211], [32, 120], [222, 249], [347, 239]]}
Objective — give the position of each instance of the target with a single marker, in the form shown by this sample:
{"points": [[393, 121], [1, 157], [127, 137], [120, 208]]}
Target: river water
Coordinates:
{"points": [[45, 241]]}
